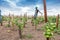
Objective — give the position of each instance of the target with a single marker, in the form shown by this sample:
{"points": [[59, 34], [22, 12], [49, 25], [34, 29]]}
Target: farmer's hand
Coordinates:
{"points": [[41, 13]]}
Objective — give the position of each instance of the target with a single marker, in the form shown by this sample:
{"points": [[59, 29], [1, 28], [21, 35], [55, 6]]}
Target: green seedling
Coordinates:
{"points": [[35, 22], [20, 26], [49, 30], [29, 36]]}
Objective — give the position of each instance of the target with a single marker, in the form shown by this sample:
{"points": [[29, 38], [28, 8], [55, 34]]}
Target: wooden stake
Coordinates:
{"points": [[45, 11], [57, 21]]}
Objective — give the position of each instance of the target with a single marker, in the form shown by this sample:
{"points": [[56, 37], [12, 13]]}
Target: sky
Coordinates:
{"points": [[21, 7]]}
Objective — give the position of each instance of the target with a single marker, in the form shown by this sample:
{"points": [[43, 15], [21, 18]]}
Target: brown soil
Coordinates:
{"points": [[28, 30]]}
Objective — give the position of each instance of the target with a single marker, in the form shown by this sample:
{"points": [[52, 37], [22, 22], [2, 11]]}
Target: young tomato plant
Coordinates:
{"points": [[9, 20], [48, 34], [24, 20], [32, 19], [35, 22], [12, 21], [52, 19], [49, 30], [20, 26]]}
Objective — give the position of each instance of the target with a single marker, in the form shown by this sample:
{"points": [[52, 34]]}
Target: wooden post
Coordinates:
{"points": [[45, 11], [57, 21], [25, 16]]}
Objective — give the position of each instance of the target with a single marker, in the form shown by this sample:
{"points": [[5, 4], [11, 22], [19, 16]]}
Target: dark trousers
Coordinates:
{"points": [[35, 16]]}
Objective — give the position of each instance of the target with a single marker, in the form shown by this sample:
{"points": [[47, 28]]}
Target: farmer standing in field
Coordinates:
{"points": [[36, 13]]}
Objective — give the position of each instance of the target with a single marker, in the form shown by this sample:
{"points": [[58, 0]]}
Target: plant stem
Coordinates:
{"points": [[47, 38], [35, 27], [24, 24], [20, 34], [1, 23]]}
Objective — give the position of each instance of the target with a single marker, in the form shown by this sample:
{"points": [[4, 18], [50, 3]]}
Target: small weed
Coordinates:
{"points": [[29, 36], [8, 25]]}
